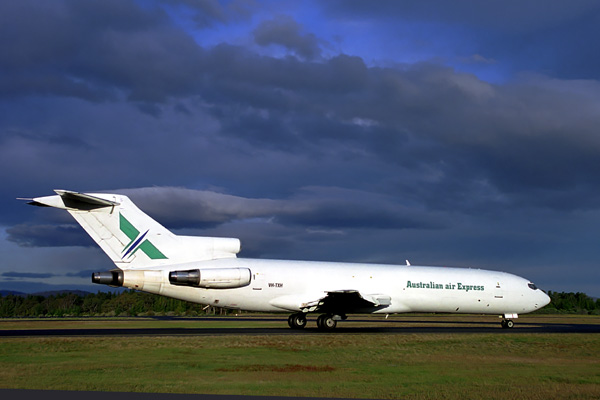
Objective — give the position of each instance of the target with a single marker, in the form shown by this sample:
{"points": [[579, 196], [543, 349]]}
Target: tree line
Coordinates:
{"points": [[576, 303], [102, 304], [134, 303]]}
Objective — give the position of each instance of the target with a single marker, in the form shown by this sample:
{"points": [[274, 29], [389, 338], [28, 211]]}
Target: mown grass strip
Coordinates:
{"points": [[445, 366]]}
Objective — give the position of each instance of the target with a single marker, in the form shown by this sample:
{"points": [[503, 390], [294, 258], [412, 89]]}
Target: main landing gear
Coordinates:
{"points": [[325, 322], [297, 321]]}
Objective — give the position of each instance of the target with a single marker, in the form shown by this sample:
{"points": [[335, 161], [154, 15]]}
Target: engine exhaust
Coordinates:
{"points": [[112, 278], [185, 278]]}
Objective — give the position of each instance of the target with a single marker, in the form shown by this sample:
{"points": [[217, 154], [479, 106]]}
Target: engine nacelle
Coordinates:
{"points": [[214, 278], [152, 280], [113, 278], [185, 278]]}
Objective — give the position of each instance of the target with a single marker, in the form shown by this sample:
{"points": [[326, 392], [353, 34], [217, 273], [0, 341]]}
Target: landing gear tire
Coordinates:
{"points": [[297, 321], [325, 322], [507, 324]]}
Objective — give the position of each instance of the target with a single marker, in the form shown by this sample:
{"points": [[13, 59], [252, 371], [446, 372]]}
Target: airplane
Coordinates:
{"points": [[205, 270]]}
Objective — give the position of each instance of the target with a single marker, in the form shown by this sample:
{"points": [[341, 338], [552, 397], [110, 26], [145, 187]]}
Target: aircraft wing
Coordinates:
{"points": [[334, 302], [347, 301]]}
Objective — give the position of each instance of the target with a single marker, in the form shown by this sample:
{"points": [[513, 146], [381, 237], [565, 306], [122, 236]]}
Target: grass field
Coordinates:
{"points": [[411, 366]]}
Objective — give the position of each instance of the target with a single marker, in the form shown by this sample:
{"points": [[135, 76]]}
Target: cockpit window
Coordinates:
{"points": [[532, 286]]}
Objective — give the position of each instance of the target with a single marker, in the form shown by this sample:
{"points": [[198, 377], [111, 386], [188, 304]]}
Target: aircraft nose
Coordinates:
{"points": [[545, 299]]}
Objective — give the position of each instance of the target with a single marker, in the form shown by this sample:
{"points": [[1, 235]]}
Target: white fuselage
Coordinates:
{"points": [[284, 286], [206, 270]]}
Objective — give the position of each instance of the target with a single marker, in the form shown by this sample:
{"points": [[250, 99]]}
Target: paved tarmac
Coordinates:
{"points": [[344, 328]]}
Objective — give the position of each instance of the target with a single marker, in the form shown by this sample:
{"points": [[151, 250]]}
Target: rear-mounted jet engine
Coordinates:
{"points": [[112, 278], [217, 278]]}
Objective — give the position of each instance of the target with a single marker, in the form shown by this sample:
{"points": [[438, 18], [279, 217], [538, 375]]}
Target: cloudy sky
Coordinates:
{"points": [[446, 133]]}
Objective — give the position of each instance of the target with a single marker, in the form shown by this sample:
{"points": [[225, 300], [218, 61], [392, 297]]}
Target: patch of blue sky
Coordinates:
{"points": [[380, 43]]}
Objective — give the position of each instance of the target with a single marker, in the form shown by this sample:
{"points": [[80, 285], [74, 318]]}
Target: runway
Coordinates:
{"points": [[344, 328]]}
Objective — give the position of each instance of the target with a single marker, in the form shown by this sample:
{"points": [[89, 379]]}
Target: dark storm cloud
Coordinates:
{"points": [[42, 287], [180, 207], [429, 119], [310, 207], [208, 12], [27, 235], [526, 35], [230, 65], [12, 274], [527, 127], [450, 139], [283, 30], [81, 274], [322, 156], [451, 133], [508, 16], [266, 226], [93, 50]]}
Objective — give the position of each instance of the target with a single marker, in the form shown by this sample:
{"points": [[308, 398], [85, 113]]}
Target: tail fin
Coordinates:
{"points": [[130, 237]]}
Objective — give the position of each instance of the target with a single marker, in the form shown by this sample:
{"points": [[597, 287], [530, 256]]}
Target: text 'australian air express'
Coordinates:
{"points": [[206, 270]]}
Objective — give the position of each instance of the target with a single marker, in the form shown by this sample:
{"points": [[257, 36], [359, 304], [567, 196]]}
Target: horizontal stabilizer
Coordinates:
{"points": [[69, 200], [83, 201]]}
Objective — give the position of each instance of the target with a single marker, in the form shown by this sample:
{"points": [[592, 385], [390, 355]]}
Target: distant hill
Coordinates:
{"points": [[45, 293], [13, 292], [57, 292]]}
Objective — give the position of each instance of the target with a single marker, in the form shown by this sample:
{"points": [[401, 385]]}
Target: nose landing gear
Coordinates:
{"points": [[507, 323]]}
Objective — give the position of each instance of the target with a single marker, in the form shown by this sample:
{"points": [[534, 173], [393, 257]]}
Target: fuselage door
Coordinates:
{"points": [[498, 292]]}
